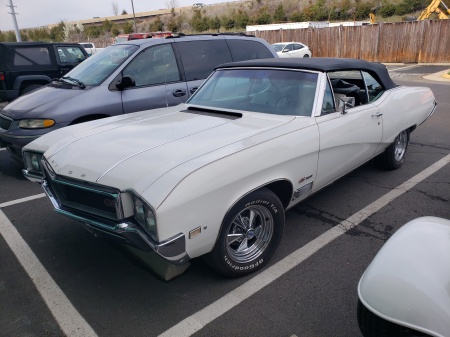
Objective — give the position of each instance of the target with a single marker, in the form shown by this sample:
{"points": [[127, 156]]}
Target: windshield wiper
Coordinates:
{"points": [[78, 82]]}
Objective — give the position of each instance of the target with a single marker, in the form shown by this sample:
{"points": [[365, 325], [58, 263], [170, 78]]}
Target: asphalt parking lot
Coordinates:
{"points": [[56, 279]]}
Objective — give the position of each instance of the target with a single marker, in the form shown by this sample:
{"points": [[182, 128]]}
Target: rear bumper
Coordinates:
{"points": [[173, 250]]}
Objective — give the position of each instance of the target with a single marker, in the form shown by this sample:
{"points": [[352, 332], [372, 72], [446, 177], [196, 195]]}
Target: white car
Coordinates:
{"points": [[214, 176], [292, 49], [405, 290]]}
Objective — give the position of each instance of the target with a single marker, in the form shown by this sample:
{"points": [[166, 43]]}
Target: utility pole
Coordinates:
{"points": [[134, 16], [13, 13]]}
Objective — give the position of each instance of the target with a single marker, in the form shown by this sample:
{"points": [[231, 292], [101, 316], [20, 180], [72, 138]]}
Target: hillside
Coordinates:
{"points": [[234, 16]]}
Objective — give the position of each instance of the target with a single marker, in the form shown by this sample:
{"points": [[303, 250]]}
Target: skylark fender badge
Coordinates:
{"points": [[304, 179]]}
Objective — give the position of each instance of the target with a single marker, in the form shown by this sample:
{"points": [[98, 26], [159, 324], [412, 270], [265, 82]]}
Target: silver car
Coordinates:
{"points": [[126, 77]]}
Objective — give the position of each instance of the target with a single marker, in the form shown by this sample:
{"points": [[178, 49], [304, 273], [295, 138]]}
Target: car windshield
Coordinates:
{"points": [[278, 47], [95, 69], [281, 92]]}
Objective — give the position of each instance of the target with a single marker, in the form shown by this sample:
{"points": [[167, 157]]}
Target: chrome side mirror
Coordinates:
{"points": [[346, 103]]}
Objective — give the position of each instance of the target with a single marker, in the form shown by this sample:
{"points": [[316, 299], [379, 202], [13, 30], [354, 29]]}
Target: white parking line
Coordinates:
{"points": [[197, 321], [18, 201], [67, 317], [2, 148]]}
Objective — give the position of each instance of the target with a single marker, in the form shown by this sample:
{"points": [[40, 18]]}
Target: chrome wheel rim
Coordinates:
{"points": [[400, 145], [249, 234]]}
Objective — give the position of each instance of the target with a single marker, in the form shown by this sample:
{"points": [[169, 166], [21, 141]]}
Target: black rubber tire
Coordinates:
{"points": [[389, 159], [306, 55], [373, 326], [224, 258], [30, 88]]}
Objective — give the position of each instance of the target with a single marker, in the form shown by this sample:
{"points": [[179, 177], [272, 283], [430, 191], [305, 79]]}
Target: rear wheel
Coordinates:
{"points": [[394, 156], [250, 234], [373, 326]]}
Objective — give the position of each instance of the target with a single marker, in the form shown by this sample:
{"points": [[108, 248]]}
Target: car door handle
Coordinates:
{"points": [[378, 114], [194, 89], [179, 93]]}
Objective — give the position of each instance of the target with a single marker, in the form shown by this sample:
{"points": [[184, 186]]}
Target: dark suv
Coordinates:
{"points": [[25, 66], [125, 77]]}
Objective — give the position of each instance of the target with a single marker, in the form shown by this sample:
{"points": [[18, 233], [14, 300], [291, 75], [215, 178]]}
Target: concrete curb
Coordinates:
{"points": [[441, 76]]}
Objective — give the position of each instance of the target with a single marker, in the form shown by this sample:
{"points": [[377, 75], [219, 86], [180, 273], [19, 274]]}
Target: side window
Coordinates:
{"points": [[69, 54], [242, 50], [374, 88], [328, 101], [31, 56], [289, 47], [348, 83], [201, 57], [155, 65], [298, 46]]}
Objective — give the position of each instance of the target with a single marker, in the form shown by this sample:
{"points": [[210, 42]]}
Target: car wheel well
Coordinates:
{"points": [[282, 189], [87, 119]]}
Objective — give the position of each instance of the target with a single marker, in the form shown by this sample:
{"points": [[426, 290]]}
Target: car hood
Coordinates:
{"points": [[133, 151], [39, 101]]}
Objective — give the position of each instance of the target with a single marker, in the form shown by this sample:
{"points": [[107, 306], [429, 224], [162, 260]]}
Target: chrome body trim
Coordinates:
{"points": [[431, 112], [32, 176], [173, 250]]}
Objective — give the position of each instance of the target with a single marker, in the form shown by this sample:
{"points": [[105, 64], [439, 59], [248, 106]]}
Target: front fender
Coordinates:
{"points": [[408, 282]]}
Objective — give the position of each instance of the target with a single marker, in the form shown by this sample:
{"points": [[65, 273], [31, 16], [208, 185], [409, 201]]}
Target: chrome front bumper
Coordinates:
{"points": [[173, 250]]}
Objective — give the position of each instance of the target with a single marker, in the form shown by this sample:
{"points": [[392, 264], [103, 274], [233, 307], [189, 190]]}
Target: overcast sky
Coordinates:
{"points": [[34, 13]]}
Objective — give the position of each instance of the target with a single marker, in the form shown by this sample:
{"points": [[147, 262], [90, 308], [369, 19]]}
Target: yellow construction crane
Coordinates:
{"points": [[433, 7]]}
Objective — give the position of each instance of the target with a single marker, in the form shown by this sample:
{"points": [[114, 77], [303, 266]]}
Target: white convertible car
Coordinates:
{"points": [[215, 176]]}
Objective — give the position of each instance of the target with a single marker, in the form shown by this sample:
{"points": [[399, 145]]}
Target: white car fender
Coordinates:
{"points": [[408, 282], [204, 196]]}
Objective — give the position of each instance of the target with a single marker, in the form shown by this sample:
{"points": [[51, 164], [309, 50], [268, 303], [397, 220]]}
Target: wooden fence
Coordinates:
{"points": [[406, 42]]}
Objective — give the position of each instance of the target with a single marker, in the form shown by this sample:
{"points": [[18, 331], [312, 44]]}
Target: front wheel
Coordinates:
{"points": [[250, 234], [394, 156]]}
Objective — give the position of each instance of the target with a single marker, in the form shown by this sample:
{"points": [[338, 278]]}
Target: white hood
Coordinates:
{"points": [[132, 152]]}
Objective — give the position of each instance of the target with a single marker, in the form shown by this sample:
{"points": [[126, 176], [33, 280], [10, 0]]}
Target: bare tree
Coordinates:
{"points": [[115, 8], [172, 4]]}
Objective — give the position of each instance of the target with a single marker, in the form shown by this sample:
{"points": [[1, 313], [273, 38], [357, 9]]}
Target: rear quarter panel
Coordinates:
{"points": [[402, 108]]}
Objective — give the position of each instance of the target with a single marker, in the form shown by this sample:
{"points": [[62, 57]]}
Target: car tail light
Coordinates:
{"points": [[2, 76]]}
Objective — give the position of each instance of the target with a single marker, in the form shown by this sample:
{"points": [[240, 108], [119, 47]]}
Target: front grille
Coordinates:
{"points": [[84, 198], [5, 122]]}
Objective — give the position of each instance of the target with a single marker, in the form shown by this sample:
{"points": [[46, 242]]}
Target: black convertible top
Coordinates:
{"points": [[323, 64]]}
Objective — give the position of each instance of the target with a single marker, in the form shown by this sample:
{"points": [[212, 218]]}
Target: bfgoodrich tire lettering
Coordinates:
{"points": [[250, 234]]}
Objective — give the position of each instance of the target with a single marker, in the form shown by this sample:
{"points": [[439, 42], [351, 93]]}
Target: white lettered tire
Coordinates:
{"points": [[250, 234]]}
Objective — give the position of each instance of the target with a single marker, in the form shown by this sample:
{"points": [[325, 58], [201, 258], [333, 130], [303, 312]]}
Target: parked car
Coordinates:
{"points": [[26, 66], [137, 36], [292, 49], [90, 48], [405, 290], [126, 77], [215, 176]]}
